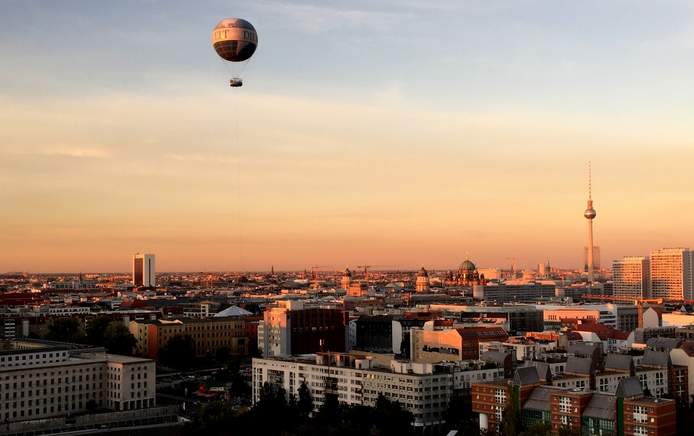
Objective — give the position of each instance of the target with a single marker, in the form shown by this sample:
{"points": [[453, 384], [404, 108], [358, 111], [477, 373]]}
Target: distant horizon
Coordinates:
{"points": [[357, 271], [604, 266]]}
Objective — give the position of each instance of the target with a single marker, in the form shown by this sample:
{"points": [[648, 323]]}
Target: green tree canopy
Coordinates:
{"points": [[96, 327], [118, 339], [65, 330], [538, 429], [178, 352], [305, 403]]}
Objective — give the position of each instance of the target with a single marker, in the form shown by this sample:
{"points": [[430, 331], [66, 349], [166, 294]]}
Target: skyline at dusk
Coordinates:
{"points": [[365, 133]]}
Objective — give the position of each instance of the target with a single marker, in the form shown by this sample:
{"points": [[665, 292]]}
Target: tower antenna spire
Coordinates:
{"points": [[590, 182], [590, 214]]}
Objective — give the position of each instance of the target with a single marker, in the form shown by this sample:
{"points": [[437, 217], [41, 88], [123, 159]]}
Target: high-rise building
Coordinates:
{"points": [[290, 328], [671, 273], [143, 270], [631, 277], [590, 214]]}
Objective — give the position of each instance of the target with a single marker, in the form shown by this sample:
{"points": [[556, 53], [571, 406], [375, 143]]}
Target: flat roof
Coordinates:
{"points": [[25, 346], [126, 359], [652, 401]]}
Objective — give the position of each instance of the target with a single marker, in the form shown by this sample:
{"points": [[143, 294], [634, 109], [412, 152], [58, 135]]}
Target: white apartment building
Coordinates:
{"points": [[631, 277], [356, 380], [40, 380], [63, 310], [671, 273], [274, 331], [463, 379], [608, 381], [654, 379]]}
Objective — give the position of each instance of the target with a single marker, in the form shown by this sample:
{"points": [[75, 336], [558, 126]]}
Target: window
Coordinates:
{"points": [[638, 430], [565, 404]]}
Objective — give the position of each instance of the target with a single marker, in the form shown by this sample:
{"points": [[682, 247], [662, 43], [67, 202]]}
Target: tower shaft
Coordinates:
{"points": [[590, 253]]}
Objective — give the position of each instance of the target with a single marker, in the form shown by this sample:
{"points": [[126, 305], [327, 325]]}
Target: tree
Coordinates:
{"points": [[459, 415], [96, 328], [239, 386], [222, 354], [305, 403], [179, 352], [118, 339], [65, 330], [510, 425], [91, 406], [538, 429], [214, 418], [328, 411], [391, 419], [685, 418], [566, 430], [271, 412]]}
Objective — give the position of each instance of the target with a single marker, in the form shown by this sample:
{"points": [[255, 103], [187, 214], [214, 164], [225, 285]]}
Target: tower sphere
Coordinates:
{"points": [[589, 213]]}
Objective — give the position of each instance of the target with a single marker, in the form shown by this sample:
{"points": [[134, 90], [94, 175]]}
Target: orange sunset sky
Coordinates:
{"points": [[326, 157]]}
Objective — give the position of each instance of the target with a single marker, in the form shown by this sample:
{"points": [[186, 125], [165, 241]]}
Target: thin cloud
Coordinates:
{"points": [[70, 152], [314, 18]]}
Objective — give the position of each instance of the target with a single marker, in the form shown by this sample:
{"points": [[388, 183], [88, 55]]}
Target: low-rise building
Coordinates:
{"points": [[40, 380], [625, 412], [514, 318], [208, 335], [450, 344]]}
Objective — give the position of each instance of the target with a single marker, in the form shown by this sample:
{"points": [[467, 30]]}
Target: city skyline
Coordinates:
{"points": [[347, 217], [473, 147]]}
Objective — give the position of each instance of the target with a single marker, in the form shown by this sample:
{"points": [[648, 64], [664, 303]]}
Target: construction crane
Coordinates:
{"points": [[366, 271], [316, 267]]}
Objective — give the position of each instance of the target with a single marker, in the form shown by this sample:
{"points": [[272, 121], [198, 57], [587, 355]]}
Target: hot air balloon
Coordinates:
{"points": [[235, 40]]}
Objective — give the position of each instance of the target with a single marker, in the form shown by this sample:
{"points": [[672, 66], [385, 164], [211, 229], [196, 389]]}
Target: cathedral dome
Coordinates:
{"points": [[467, 266]]}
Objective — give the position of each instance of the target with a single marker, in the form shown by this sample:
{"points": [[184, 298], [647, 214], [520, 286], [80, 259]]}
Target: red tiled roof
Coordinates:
{"points": [[603, 331]]}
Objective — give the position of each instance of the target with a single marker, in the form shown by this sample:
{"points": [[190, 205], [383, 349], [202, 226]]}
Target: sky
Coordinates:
{"points": [[393, 133]]}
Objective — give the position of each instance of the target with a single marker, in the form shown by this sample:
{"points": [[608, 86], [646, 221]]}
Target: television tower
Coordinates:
{"points": [[590, 216]]}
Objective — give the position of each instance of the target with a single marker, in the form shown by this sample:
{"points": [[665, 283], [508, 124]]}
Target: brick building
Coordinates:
{"points": [[208, 335], [625, 412]]}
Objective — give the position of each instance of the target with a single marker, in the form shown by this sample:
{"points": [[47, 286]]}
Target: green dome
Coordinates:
{"points": [[467, 266]]}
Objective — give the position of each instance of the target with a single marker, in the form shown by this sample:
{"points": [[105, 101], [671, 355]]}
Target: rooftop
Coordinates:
{"points": [[21, 346], [539, 399], [602, 406], [126, 359]]}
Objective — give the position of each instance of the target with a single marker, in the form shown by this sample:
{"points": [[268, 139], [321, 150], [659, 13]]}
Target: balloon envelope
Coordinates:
{"points": [[234, 39]]}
